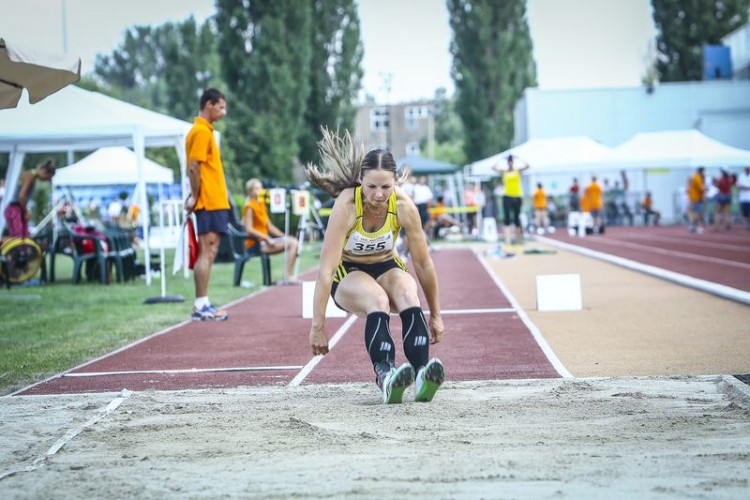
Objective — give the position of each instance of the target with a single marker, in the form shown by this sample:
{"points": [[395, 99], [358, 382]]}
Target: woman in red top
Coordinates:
{"points": [[724, 200]]}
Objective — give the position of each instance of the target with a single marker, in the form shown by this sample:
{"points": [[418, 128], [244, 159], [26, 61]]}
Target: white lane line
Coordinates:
{"points": [[693, 242], [474, 311], [57, 445], [317, 359], [187, 371], [671, 253], [133, 344], [723, 291], [540, 340]]}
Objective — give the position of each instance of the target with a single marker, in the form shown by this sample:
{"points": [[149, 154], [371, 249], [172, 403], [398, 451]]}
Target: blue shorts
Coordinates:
{"points": [[697, 207], [212, 221], [375, 270]]}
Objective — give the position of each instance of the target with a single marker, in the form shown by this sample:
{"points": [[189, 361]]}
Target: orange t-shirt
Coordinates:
{"points": [[200, 146], [696, 188], [260, 218], [540, 199], [594, 196]]}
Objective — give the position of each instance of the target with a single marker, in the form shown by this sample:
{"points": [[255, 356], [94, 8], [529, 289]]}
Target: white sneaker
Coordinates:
{"points": [[429, 379], [396, 383]]}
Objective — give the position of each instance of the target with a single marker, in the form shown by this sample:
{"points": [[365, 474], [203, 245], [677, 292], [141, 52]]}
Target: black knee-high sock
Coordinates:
{"points": [[379, 342], [416, 337]]}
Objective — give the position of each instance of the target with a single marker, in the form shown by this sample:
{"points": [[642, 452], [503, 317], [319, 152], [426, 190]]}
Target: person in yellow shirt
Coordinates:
{"points": [[696, 193], [208, 198], [541, 215], [272, 239], [595, 202], [512, 198]]}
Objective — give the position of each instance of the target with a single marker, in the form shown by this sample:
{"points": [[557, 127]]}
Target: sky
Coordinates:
{"points": [[577, 43]]}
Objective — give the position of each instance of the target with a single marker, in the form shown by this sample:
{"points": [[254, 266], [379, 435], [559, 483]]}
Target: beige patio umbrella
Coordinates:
{"points": [[41, 74]]}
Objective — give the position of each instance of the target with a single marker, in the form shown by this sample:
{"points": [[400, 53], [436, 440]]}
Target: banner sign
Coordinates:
{"points": [[278, 200], [300, 202]]}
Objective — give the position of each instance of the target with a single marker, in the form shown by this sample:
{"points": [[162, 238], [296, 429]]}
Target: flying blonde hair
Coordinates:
{"points": [[343, 163]]}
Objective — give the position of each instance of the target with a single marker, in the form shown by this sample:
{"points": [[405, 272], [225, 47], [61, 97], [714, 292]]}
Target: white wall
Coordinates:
{"points": [[720, 109]]}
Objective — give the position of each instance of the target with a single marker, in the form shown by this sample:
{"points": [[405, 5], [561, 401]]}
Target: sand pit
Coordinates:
{"points": [[600, 437]]}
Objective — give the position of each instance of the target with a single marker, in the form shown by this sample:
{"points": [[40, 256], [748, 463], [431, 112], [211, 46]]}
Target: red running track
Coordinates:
{"points": [[721, 257], [265, 342]]}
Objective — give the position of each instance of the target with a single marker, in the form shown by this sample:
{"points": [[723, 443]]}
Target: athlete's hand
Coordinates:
{"points": [[436, 328], [318, 340]]}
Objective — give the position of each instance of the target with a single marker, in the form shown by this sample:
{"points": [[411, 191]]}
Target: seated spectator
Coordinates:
{"points": [[272, 239], [440, 219], [648, 210]]}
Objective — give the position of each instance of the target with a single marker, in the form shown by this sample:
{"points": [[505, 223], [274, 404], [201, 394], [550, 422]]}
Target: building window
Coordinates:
{"points": [[412, 115], [379, 119], [412, 149]]}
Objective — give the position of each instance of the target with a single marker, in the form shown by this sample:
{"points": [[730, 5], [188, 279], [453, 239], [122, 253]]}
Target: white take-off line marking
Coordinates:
{"points": [[723, 291], [308, 368], [317, 359], [540, 340]]}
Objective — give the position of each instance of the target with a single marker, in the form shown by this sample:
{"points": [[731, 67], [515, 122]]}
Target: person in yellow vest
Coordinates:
{"points": [[512, 199], [541, 215], [697, 198], [208, 198], [272, 239]]}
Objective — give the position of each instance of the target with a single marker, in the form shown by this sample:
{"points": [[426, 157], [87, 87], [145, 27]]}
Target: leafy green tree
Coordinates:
{"points": [[335, 72], [685, 27], [492, 65], [266, 53], [449, 131], [162, 68]]}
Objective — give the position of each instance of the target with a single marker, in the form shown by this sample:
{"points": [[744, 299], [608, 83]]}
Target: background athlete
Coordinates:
{"points": [[362, 271]]}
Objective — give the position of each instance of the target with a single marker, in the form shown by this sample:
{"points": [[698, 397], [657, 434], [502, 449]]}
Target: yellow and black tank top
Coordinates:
{"points": [[360, 242]]}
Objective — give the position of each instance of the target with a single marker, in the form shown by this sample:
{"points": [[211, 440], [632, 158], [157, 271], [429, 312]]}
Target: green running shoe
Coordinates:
{"points": [[396, 383], [428, 380]]}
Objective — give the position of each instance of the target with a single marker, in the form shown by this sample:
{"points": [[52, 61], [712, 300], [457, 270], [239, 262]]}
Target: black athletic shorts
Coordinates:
{"points": [[212, 221], [375, 270]]}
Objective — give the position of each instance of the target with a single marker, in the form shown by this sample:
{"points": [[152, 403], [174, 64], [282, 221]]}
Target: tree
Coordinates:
{"points": [[266, 52], [449, 131], [685, 27], [335, 73], [492, 65], [163, 68]]}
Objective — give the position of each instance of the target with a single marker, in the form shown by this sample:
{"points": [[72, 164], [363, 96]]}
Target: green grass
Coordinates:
{"points": [[51, 328]]}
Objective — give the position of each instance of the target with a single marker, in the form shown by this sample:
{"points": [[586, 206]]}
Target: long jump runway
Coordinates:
{"points": [[265, 342]]}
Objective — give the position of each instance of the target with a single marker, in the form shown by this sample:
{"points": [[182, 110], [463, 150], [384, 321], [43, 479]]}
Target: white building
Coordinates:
{"points": [[719, 108]]}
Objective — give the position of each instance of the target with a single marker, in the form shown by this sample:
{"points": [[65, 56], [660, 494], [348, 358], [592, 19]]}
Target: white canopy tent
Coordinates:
{"points": [[111, 166], [550, 155], [75, 119], [674, 149]]}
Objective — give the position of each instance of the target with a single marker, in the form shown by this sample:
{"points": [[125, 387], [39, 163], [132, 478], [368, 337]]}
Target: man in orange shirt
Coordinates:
{"points": [[593, 194], [541, 216], [696, 200], [208, 198]]}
